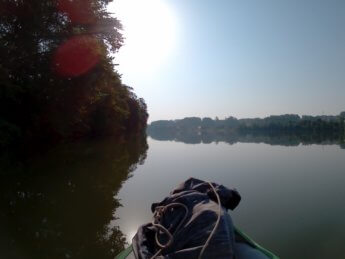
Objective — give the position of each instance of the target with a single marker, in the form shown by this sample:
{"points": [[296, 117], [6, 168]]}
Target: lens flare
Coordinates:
{"points": [[76, 56]]}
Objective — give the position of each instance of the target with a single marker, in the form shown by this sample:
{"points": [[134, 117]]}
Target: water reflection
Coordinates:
{"points": [[208, 136], [292, 196], [61, 204]]}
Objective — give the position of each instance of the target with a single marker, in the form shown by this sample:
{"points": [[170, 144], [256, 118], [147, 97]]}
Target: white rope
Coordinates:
{"points": [[159, 211]]}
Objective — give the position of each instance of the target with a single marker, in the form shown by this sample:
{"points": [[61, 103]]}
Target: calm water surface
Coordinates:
{"points": [[86, 200], [292, 197]]}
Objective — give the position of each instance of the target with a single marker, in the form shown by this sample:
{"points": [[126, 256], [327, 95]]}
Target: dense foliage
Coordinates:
{"points": [[289, 130], [57, 78], [283, 124]]}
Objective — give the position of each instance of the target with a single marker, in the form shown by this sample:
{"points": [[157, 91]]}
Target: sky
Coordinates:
{"points": [[242, 58]]}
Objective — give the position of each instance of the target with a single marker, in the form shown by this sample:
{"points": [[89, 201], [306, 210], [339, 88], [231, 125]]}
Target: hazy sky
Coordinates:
{"points": [[244, 58]]}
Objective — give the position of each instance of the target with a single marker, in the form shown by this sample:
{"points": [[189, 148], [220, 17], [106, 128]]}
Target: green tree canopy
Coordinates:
{"points": [[57, 75]]}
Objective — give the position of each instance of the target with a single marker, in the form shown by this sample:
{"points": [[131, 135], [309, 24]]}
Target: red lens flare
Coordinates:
{"points": [[76, 56]]}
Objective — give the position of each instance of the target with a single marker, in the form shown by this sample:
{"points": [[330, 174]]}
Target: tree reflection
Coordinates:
{"points": [[198, 136], [59, 205]]}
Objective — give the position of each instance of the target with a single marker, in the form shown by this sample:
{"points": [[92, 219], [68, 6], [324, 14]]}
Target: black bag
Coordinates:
{"points": [[190, 214]]}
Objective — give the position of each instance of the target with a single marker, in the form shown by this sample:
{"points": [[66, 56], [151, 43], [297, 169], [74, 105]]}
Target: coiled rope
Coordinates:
{"points": [[159, 212]]}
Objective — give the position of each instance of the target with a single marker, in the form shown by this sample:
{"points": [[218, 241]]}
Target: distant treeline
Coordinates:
{"points": [[287, 122], [275, 130]]}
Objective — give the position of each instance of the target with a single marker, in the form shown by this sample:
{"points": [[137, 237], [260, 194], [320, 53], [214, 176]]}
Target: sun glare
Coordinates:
{"points": [[149, 29]]}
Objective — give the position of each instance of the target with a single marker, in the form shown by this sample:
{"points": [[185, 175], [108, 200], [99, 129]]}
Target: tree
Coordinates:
{"points": [[57, 76]]}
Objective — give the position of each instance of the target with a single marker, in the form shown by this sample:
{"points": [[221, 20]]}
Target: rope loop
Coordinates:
{"points": [[159, 214]]}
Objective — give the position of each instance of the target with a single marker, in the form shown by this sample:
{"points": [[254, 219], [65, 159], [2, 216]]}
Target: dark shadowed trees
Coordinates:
{"points": [[57, 78]]}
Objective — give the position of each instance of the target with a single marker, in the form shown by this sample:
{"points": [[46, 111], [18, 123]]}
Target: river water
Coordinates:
{"points": [[86, 201]]}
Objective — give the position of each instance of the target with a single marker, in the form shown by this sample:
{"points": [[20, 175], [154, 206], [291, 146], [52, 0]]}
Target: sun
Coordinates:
{"points": [[149, 29]]}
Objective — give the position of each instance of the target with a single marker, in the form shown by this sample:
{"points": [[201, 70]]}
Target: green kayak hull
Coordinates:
{"points": [[128, 252]]}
